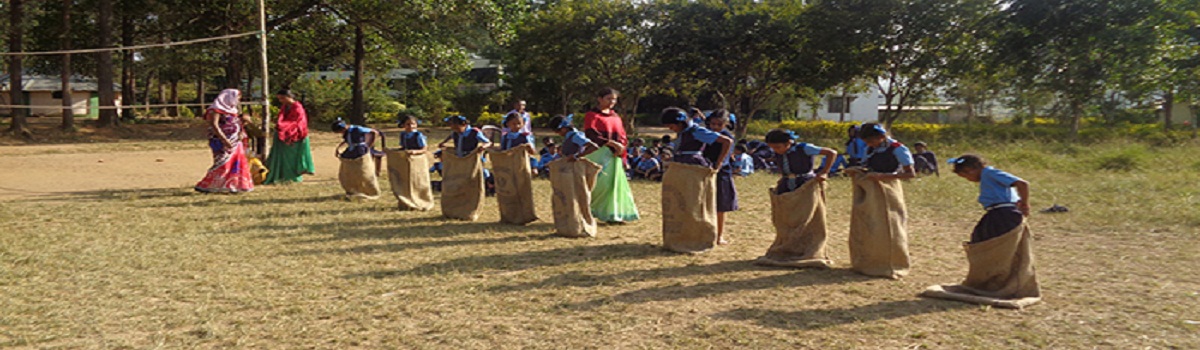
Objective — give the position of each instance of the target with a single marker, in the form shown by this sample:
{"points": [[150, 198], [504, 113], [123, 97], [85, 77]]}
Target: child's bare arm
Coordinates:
{"points": [[1023, 191], [829, 154]]}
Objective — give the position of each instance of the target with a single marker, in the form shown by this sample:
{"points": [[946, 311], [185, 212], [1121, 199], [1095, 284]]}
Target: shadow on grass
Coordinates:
{"points": [[108, 195], [399, 228], [400, 247], [525, 260], [577, 279], [704, 290], [823, 318]]}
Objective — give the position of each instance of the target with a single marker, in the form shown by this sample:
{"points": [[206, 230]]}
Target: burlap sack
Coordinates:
{"points": [[358, 178], [572, 183], [689, 208], [878, 240], [799, 218], [462, 185], [1001, 273], [409, 176], [514, 185]]}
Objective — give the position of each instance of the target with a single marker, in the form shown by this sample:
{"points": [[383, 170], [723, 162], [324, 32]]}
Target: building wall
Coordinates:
{"points": [[79, 103], [864, 108]]}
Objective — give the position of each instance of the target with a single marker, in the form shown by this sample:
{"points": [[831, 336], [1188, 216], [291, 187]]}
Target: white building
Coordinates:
{"points": [[44, 92], [860, 107]]}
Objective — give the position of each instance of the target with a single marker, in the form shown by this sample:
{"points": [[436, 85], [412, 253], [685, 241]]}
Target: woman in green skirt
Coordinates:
{"points": [[290, 157], [612, 199]]}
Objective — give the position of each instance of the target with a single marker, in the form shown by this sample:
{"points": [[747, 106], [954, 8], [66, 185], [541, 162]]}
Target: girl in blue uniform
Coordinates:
{"points": [[691, 141], [411, 140], [1005, 197], [575, 144], [466, 139], [359, 141], [795, 160], [727, 197], [886, 158]]}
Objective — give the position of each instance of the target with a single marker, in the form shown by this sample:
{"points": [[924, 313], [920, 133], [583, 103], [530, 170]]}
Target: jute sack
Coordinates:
{"points": [[689, 208], [358, 178], [572, 183], [409, 176], [878, 241], [799, 218], [462, 185], [514, 185], [1001, 273]]}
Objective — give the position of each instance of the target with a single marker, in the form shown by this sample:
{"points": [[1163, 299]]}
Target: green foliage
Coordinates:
{"points": [[327, 100]]}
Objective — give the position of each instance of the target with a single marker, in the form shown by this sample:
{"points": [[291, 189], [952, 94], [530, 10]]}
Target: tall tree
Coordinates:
{"points": [[1075, 47], [16, 94], [68, 112], [108, 117]]}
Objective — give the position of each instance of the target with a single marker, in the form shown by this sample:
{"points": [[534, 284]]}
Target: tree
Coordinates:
{"points": [[68, 112], [108, 117], [920, 39], [1075, 47], [16, 37], [735, 48]]}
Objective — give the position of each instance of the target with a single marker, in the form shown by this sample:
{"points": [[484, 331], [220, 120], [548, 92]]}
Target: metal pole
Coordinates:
{"points": [[266, 77]]}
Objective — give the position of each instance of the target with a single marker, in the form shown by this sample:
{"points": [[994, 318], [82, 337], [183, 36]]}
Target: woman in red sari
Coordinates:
{"points": [[291, 157], [230, 172], [612, 200]]}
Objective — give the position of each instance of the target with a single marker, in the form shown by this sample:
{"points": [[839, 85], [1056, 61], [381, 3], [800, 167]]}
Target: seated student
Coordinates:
{"points": [[856, 148], [743, 164], [551, 154], [634, 151], [648, 167], [924, 160], [667, 142], [436, 168], [657, 145], [762, 155], [359, 141], [664, 158], [795, 160], [547, 143]]}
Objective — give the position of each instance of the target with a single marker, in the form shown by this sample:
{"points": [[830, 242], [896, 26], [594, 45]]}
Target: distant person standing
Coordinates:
{"points": [[519, 109], [291, 156]]}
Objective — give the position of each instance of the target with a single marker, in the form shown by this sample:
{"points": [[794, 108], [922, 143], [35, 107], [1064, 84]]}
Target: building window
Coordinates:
{"points": [[838, 104], [57, 95]]}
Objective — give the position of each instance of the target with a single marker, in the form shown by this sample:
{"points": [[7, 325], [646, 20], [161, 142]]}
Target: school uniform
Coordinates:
{"points": [[744, 164], [856, 152], [514, 139], [795, 167], [727, 198], [691, 143], [467, 141], [889, 157], [926, 162], [412, 141], [648, 164], [999, 199], [574, 142], [356, 142]]}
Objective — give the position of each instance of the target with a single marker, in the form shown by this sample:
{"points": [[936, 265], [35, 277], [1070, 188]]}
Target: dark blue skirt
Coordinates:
{"points": [[996, 223], [727, 198]]}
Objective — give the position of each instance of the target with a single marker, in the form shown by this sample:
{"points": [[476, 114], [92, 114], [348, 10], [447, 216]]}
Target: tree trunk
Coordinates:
{"points": [[162, 96], [842, 115], [1168, 108], [174, 110], [200, 93], [16, 94], [631, 124], [1076, 116], [357, 109], [127, 83], [148, 84], [68, 113], [104, 62]]}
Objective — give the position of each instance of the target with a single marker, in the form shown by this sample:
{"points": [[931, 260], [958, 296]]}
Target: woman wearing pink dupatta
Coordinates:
{"points": [[230, 172]]}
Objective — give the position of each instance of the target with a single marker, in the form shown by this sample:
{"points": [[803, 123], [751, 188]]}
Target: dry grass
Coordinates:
{"points": [[293, 267]]}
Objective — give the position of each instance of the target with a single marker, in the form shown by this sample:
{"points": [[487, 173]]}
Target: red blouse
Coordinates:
{"points": [[292, 123], [602, 127]]}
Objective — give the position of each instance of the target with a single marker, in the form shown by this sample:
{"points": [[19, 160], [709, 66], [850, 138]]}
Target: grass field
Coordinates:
{"points": [[295, 267]]}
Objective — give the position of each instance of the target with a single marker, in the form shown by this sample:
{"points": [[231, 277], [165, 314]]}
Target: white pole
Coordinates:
{"points": [[266, 76]]}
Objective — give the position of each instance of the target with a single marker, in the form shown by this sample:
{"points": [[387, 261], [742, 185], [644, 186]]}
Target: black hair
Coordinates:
{"points": [[743, 142], [740, 148], [286, 92], [651, 151], [405, 118], [458, 120], [659, 141], [920, 144], [338, 126], [720, 115], [607, 91], [779, 136], [666, 139], [510, 117], [968, 161], [554, 122], [547, 140], [870, 130], [695, 112], [674, 115]]}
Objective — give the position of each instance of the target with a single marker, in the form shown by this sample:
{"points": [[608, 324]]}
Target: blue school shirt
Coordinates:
{"points": [[995, 187], [514, 139], [647, 164], [902, 154], [745, 163], [857, 149], [698, 133], [412, 140], [574, 143], [467, 141]]}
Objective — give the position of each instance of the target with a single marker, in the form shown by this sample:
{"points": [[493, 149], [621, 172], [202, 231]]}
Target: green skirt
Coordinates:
{"points": [[612, 199], [287, 163]]}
